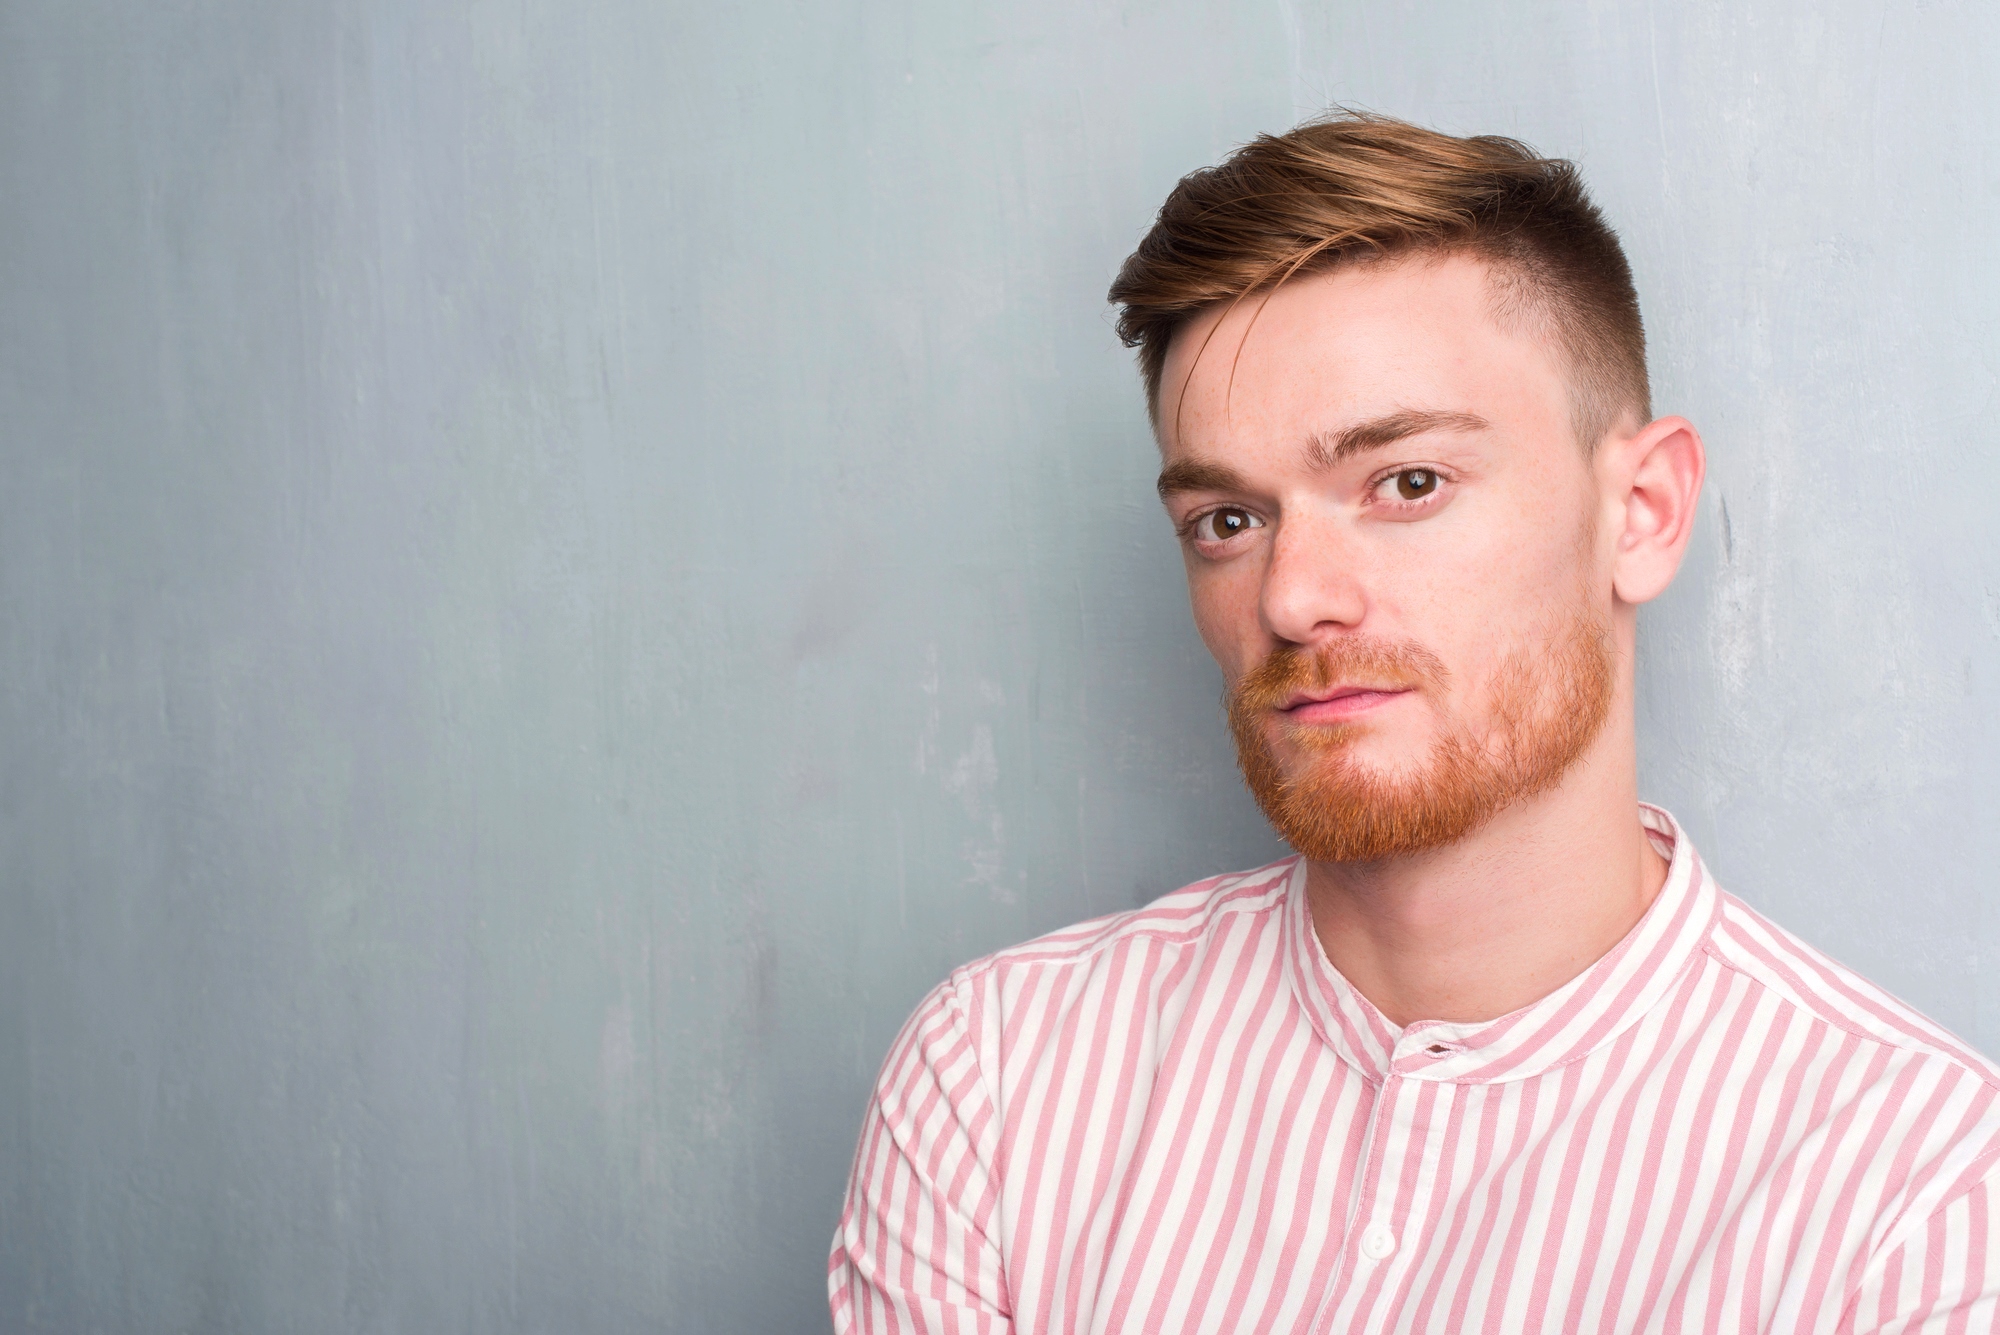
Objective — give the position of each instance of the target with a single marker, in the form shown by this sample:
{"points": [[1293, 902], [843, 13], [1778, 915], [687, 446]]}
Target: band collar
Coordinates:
{"points": [[1585, 1013]]}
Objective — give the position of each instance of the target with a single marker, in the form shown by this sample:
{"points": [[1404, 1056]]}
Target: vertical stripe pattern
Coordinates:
{"points": [[1182, 1119]]}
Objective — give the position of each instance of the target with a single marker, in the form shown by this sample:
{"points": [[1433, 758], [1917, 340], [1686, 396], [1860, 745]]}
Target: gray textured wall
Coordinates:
{"points": [[560, 563]]}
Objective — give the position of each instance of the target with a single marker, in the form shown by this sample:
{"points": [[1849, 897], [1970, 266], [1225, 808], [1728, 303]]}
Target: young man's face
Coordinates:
{"points": [[1393, 549]]}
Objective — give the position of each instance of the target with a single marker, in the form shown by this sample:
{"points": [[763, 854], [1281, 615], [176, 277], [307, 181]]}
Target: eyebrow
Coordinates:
{"points": [[1327, 449], [1323, 450], [1194, 475]]}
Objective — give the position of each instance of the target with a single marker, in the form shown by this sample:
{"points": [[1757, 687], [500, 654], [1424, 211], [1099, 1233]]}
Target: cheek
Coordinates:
{"points": [[1530, 552], [1224, 603], [1482, 602]]}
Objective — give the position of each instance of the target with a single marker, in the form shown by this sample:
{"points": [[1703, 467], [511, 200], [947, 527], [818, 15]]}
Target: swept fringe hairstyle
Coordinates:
{"points": [[1356, 186]]}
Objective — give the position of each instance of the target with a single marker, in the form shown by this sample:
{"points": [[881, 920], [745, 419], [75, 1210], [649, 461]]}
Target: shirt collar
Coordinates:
{"points": [[1583, 1014]]}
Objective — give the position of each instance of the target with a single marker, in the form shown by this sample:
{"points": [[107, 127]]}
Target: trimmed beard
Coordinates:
{"points": [[1549, 704]]}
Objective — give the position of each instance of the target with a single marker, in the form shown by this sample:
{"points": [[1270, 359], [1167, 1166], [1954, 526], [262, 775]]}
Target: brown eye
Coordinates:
{"points": [[1226, 523], [1413, 484]]}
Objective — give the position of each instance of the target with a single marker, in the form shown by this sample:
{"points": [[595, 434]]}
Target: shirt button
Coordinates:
{"points": [[1377, 1242]]}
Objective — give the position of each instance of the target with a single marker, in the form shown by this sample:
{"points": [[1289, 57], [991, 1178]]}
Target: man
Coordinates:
{"points": [[1494, 1052]]}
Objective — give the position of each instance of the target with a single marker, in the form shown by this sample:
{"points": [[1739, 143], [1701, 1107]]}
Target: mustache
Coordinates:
{"points": [[1291, 668]]}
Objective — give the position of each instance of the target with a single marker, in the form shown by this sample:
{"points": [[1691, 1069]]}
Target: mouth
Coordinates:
{"points": [[1339, 704]]}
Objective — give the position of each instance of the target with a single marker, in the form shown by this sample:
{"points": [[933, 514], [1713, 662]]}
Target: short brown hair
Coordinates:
{"points": [[1355, 185]]}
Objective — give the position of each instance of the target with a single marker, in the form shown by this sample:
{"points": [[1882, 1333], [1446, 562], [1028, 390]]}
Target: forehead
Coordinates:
{"points": [[1360, 342]]}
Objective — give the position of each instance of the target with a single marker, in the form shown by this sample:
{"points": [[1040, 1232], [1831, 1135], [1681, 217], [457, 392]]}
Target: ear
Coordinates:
{"points": [[1651, 482]]}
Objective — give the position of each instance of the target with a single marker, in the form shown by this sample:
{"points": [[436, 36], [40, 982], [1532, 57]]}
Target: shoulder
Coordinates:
{"points": [[1127, 953], [1904, 1096], [1189, 916], [1800, 976]]}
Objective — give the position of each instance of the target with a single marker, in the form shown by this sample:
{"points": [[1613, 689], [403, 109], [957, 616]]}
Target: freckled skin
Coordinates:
{"points": [[1521, 528]]}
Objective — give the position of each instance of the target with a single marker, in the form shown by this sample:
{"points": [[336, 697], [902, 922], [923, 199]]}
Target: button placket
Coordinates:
{"points": [[1419, 1053]]}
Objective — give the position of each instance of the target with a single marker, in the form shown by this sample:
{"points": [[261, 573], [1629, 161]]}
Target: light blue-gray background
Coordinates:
{"points": [[560, 563]]}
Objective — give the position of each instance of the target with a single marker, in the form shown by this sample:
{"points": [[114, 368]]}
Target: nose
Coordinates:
{"points": [[1312, 586]]}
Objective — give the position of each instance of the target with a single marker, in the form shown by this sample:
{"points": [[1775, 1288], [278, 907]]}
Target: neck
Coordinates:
{"points": [[1507, 915]]}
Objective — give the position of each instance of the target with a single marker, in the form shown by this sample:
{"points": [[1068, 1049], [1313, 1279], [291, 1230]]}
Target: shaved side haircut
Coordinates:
{"points": [[1357, 188]]}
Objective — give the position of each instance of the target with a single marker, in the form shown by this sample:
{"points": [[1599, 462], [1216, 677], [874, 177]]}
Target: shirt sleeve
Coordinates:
{"points": [[915, 1252], [1943, 1277]]}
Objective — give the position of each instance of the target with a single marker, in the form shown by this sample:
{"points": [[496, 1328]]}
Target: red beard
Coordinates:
{"points": [[1548, 705]]}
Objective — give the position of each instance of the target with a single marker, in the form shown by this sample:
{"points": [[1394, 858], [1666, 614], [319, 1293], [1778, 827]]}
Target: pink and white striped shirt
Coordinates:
{"points": [[1184, 1119]]}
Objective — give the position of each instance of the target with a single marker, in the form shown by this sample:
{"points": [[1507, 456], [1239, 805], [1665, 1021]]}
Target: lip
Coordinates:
{"points": [[1339, 704]]}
